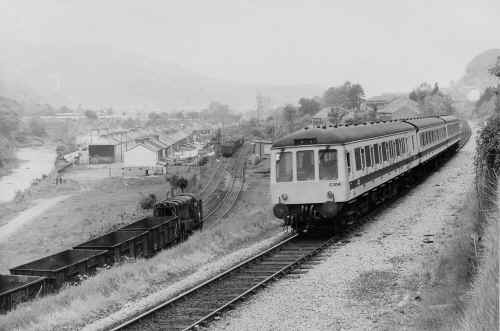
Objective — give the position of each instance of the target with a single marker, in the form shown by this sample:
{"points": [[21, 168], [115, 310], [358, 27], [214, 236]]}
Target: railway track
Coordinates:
{"points": [[221, 201], [215, 178], [199, 305]]}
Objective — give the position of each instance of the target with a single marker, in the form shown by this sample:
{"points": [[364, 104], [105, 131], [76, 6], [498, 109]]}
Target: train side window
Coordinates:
{"points": [[391, 149], [376, 156], [305, 165], [284, 167], [412, 144], [398, 147], [348, 158], [368, 156], [363, 160], [328, 164], [357, 158]]}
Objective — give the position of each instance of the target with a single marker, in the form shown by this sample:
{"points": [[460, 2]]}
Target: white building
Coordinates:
{"points": [[144, 154]]}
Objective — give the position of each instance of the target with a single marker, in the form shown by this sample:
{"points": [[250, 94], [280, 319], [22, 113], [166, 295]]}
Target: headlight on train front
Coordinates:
{"points": [[330, 195], [284, 196]]}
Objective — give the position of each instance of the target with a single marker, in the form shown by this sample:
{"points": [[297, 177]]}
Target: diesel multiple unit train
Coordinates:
{"points": [[325, 176]]}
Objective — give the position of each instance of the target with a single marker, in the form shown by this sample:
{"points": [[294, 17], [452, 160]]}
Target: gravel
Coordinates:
{"points": [[362, 284]]}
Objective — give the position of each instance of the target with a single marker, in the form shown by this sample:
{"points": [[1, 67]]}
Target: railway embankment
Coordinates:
{"points": [[408, 267], [481, 311]]}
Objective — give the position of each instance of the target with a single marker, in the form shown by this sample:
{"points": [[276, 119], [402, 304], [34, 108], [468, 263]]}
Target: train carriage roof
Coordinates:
{"points": [[343, 134], [449, 118], [424, 123]]}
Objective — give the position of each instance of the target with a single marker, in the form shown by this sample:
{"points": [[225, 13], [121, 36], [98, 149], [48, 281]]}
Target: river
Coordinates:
{"points": [[33, 163]]}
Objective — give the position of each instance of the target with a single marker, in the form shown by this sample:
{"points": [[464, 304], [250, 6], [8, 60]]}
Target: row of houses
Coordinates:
{"points": [[143, 148]]}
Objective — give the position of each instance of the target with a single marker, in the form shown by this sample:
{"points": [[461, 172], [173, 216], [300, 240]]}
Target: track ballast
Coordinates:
{"points": [[200, 304]]}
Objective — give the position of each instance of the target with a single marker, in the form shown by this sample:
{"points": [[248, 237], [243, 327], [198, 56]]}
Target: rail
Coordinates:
{"points": [[200, 304]]}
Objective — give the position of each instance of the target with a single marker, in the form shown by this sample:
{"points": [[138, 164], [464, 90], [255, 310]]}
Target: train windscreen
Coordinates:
{"points": [[284, 167], [328, 164], [305, 165]]}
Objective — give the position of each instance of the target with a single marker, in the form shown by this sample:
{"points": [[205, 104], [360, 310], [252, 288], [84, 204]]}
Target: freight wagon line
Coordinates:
{"points": [[200, 304]]}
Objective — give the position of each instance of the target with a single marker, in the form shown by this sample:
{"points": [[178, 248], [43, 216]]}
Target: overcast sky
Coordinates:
{"points": [[384, 45]]}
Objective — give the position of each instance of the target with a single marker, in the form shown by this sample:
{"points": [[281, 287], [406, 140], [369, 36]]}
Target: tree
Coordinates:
{"points": [[308, 106], [154, 117], [9, 123], [347, 96], [37, 127], [91, 115], [487, 94], [355, 94]]}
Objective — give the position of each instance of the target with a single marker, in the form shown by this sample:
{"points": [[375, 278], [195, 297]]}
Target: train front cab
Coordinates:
{"points": [[306, 182]]}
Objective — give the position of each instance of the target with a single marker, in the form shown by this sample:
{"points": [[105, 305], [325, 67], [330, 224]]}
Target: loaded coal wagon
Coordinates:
{"points": [[63, 267], [15, 289]]}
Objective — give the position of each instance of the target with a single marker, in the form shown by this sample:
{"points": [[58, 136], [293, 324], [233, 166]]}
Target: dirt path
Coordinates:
{"points": [[41, 206], [374, 281]]}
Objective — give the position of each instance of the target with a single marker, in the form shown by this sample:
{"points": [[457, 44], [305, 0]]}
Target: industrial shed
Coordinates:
{"points": [[105, 150]]}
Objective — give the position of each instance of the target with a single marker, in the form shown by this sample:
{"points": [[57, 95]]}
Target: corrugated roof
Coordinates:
{"points": [[103, 141]]}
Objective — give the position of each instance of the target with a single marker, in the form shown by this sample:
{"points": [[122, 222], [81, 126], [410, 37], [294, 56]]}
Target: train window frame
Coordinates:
{"points": [[278, 160], [376, 155], [313, 166], [348, 160], [357, 159], [368, 158], [384, 151], [363, 160], [335, 175]]}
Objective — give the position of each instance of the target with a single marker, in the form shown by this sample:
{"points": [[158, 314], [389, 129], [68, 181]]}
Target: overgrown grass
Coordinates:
{"points": [[463, 281], [481, 312], [109, 290], [482, 308]]}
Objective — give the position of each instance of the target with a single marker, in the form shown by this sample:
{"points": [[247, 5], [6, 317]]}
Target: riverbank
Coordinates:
{"points": [[30, 163]]}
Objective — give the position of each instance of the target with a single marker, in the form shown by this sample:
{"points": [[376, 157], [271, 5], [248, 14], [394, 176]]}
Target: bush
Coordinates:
{"points": [[148, 202]]}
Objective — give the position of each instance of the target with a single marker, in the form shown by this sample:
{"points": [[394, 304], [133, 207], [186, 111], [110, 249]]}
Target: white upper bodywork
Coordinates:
{"points": [[356, 179]]}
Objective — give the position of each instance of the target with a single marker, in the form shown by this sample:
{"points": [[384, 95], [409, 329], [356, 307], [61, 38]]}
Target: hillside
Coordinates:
{"points": [[97, 75], [476, 77]]}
